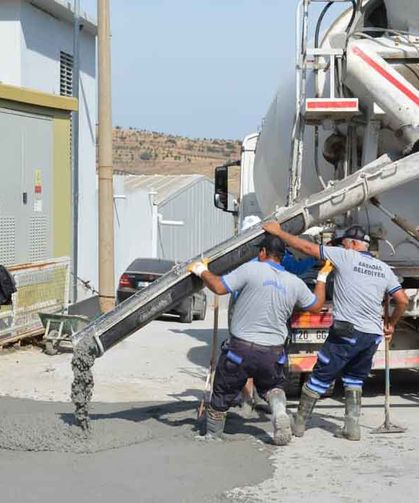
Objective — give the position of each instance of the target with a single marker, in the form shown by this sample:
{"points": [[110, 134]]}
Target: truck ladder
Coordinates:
{"points": [[313, 110]]}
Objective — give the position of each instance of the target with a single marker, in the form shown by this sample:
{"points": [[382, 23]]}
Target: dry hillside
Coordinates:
{"points": [[148, 153]]}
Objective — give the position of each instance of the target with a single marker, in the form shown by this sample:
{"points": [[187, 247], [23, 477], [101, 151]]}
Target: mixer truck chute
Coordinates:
{"points": [[149, 303]]}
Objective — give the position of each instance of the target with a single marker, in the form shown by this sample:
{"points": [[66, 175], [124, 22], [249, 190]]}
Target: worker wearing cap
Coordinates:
{"points": [[360, 283], [268, 295]]}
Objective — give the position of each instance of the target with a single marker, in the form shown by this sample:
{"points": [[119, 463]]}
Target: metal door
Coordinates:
{"points": [[25, 187]]}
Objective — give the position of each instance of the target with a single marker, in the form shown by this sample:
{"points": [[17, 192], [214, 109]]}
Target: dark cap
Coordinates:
{"points": [[337, 238], [273, 245], [356, 232]]}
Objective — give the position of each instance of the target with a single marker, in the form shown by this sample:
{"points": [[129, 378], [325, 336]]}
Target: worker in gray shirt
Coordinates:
{"points": [[360, 283], [268, 295]]}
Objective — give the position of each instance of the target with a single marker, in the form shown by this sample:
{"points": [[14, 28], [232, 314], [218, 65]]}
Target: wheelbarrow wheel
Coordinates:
{"points": [[50, 348]]}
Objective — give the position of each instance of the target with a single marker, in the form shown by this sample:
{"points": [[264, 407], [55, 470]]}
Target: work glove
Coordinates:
{"points": [[198, 268], [325, 271]]}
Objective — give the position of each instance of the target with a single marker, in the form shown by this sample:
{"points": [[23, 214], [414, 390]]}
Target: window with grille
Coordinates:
{"points": [[66, 74]]}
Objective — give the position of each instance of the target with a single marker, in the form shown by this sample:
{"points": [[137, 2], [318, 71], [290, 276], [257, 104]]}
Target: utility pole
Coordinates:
{"points": [[75, 147], [106, 212]]}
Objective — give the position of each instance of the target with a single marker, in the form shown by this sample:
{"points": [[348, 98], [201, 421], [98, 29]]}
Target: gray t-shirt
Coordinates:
{"points": [[360, 283], [266, 299]]}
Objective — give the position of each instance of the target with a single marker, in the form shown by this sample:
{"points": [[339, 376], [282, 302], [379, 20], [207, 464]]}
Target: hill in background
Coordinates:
{"points": [[150, 153]]}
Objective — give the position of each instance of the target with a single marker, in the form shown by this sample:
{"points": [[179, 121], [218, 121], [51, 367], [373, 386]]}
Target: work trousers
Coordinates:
{"points": [[347, 355], [240, 360]]}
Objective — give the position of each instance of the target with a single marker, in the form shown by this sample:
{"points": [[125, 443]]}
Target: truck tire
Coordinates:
{"points": [[293, 387], [203, 311], [187, 317]]}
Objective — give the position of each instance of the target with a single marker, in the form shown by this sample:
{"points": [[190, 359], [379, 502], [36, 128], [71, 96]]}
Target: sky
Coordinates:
{"points": [[199, 68]]}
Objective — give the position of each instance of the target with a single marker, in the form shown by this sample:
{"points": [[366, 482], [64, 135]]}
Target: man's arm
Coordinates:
{"points": [[210, 280], [401, 302], [214, 283], [320, 293], [293, 241], [320, 288]]}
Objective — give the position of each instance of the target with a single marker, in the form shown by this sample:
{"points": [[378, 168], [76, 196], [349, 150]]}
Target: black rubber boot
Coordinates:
{"points": [[280, 419], [308, 400], [351, 429], [215, 424]]}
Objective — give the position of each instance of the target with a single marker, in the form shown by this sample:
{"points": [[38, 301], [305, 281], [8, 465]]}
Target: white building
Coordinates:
{"points": [[36, 53], [168, 217]]}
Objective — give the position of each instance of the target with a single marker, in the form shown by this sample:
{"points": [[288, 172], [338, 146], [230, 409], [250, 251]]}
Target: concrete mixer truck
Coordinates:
{"points": [[347, 152], [356, 101]]}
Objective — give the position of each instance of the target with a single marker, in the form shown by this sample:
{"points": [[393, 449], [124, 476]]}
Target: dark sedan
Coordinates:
{"points": [[143, 271]]}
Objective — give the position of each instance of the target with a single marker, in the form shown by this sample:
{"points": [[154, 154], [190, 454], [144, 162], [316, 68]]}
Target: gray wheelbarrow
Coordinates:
{"points": [[59, 329]]}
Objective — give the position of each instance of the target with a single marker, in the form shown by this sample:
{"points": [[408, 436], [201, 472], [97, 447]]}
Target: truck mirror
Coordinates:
{"points": [[221, 187]]}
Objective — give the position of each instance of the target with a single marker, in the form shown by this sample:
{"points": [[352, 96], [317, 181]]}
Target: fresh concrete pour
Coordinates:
{"points": [[82, 386], [57, 432], [70, 434]]}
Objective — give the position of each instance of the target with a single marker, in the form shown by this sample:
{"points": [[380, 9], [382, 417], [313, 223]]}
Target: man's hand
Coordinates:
{"points": [[272, 227], [199, 267], [325, 271], [389, 331], [210, 280], [301, 245]]}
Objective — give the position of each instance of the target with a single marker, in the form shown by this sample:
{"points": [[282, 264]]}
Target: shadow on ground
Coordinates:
{"points": [[183, 416], [200, 355]]}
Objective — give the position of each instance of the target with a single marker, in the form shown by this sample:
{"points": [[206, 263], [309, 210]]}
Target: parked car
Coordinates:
{"points": [[143, 271]]}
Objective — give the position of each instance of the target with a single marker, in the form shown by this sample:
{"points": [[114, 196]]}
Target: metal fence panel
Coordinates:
{"points": [[41, 287]]}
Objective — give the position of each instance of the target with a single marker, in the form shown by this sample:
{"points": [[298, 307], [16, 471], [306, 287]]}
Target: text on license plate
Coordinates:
{"points": [[309, 336], [142, 284]]}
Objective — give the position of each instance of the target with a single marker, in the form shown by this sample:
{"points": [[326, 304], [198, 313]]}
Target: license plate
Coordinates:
{"points": [[309, 336], [142, 284]]}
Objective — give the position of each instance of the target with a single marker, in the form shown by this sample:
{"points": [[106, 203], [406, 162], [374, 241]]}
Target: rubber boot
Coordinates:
{"points": [[308, 400], [280, 419], [351, 429], [215, 424]]}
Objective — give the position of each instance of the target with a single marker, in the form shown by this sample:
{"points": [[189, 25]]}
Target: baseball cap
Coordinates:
{"points": [[356, 232], [337, 238], [273, 245]]}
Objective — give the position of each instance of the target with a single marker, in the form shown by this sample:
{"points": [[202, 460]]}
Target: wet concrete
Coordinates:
{"points": [[52, 432], [163, 461], [82, 386]]}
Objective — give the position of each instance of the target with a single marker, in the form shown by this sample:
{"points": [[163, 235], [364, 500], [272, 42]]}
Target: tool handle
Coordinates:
{"points": [[387, 364]]}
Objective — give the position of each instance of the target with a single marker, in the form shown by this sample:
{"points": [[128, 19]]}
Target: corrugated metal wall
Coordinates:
{"points": [[204, 225], [133, 225]]}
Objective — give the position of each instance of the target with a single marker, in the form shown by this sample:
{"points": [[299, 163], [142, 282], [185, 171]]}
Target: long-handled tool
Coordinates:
{"points": [[387, 426], [211, 371]]}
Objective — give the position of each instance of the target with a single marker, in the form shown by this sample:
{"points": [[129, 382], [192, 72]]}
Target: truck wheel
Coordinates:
{"points": [[203, 311], [293, 387], [187, 317], [50, 349]]}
